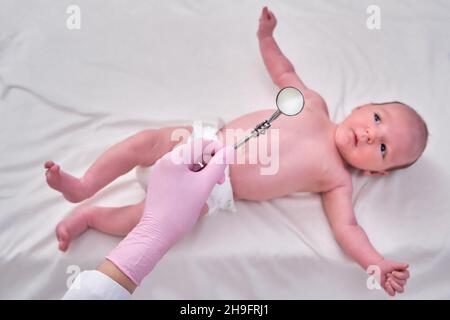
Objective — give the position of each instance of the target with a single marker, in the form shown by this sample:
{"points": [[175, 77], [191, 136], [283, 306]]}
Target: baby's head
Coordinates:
{"points": [[380, 137]]}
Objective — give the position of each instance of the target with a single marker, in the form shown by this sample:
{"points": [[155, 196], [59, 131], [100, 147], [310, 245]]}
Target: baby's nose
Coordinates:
{"points": [[369, 136]]}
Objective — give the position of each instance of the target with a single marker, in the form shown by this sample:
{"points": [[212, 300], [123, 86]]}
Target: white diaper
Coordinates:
{"points": [[221, 197]]}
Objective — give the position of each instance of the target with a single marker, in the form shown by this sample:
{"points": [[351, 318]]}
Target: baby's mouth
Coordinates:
{"points": [[355, 138]]}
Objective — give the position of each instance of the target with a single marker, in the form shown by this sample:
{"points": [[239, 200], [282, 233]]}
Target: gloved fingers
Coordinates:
{"points": [[209, 149], [215, 169], [225, 155], [195, 151]]}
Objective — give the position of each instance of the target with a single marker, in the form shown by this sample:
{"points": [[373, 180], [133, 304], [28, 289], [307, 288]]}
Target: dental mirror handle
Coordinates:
{"points": [[254, 133], [275, 115], [259, 129]]}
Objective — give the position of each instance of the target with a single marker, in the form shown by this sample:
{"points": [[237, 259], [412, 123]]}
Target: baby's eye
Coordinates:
{"points": [[383, 149], [377, 118]]}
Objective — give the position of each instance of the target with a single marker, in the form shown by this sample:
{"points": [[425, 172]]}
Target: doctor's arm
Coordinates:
{"points": [[163, 222], [107, 282]]}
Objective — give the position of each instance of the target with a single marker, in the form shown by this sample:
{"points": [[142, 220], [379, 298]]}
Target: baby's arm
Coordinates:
{"points": [[353, 240], [280, 68]]}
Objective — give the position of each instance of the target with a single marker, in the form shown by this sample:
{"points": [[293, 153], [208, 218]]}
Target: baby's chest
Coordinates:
{"points": [[292, 168], [308, 164], [293, 162], [296, 154], [308, 154]]}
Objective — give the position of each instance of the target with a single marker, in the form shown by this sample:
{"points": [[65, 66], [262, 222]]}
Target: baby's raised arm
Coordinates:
{"points": [[353, 240], [280, 68]]}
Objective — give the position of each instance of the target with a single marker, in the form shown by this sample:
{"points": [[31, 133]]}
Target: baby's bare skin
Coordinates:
{"points": [[308, 158]]}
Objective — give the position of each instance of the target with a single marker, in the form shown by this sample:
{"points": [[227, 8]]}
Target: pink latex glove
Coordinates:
{"points": [[175, 197]]}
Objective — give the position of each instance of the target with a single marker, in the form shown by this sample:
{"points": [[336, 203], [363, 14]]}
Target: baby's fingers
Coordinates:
{"points": [[402, 275], [272, 17], [399, 281], [396, 286], [265, 13], [389, 289], [400, 265]]}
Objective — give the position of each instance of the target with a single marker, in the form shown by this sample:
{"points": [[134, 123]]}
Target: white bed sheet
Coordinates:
{"points": [[68, 95]]}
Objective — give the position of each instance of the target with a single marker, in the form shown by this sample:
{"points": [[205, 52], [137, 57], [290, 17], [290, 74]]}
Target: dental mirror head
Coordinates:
{"points": [[290, 101]]}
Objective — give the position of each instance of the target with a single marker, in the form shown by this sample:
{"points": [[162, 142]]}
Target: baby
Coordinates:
{"points": [[315, 155]]}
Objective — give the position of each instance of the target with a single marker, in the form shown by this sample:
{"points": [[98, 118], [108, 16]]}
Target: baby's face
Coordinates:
{"points": [[378, 137]]}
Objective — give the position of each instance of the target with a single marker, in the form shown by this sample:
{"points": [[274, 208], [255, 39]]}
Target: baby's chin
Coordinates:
{"points": [[342, 144], [353, 163]]}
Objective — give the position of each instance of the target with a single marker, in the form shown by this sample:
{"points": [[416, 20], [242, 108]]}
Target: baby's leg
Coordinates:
{"points": [[113, 221], [143, 148]]}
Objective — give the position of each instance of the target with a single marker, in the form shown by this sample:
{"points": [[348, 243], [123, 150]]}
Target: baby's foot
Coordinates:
{"points": [[71, 187], [72, 226]]}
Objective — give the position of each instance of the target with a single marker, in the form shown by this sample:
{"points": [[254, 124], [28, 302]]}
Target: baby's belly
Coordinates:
{"points": [[250, 184]]}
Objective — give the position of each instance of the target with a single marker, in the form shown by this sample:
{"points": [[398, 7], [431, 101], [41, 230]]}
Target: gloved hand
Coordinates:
{"points": [[175, 197]]}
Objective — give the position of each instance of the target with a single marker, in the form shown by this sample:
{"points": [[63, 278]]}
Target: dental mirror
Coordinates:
{"points": [[290, 102]]}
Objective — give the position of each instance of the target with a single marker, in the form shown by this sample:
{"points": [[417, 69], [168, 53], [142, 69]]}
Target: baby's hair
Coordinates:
{"points": [[422, 126]]}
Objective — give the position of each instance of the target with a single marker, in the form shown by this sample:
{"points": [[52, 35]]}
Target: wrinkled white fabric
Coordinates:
{"points": [[67, 95]]}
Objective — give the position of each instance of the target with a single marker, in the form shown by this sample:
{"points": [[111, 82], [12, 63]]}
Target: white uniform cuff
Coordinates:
{"points": [[95, 285]]}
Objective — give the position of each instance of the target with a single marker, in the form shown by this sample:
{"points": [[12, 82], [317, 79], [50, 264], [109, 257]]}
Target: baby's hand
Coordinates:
{"points": [[267, 23], [393, 276]]}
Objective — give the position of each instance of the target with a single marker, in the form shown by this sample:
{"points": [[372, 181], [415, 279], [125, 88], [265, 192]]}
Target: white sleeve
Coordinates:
{"points": [[95, 285]]}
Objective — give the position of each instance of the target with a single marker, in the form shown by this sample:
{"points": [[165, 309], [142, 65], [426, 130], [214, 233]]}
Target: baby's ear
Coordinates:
{"points": [[375, 173]]}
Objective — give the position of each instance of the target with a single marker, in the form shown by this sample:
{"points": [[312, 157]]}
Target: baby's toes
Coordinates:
{"points": [[54, 169], [61, 232], [63, 236], [49, 164], [53, 175], [63, 245]]}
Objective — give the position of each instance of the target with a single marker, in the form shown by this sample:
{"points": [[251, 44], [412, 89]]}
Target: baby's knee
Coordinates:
{"points": [[152, 144], [145, 146], [173, 136]]}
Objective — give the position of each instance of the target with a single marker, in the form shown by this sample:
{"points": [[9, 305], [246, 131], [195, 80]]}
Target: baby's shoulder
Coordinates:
{"points": [[314, 101], [340, 177]]}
